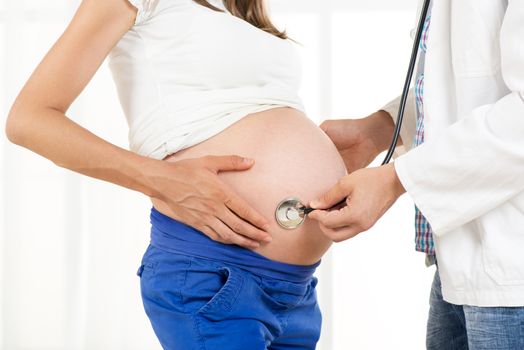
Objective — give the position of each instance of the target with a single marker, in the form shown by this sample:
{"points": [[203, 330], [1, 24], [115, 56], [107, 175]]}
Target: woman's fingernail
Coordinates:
{"points": [[248, 160], [268, 239], [266, 227], [314, 203]]}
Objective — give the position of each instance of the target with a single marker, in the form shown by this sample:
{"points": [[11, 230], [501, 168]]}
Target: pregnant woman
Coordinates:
{"points": [[203, 85]]}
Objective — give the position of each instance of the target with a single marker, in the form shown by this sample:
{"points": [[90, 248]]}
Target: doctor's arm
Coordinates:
{"points": [[471, 168], [360, 141], [478, 163]]}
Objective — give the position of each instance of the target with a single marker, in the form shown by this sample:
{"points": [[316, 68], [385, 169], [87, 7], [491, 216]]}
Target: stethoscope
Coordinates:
{"points": [[291, 212]]}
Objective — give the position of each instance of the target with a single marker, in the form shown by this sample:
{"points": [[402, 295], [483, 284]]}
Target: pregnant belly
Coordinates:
{"points": [[293, 157]]}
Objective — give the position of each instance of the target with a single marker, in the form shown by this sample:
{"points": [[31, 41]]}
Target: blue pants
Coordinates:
{"points": [[457, 327], [198, 303]]}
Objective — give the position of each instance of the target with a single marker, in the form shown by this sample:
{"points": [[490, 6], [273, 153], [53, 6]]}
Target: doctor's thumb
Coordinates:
{"points": [[332, 197]]}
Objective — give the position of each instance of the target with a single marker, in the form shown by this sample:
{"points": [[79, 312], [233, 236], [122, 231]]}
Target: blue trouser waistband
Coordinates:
{"points": [[172, 235]]}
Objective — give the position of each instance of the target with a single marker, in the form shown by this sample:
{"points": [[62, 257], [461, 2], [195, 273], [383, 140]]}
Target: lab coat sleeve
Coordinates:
{"points": [[477, 163], [407, 132]]}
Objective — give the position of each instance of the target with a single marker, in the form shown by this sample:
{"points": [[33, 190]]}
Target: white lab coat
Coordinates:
{"points": [[468, 176]]}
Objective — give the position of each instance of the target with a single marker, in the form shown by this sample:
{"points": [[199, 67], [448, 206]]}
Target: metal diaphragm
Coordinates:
{"points": [[290, 213]]}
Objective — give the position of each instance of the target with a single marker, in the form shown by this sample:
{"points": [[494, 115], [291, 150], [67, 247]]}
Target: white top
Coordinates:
{"points": [[185, 72]]}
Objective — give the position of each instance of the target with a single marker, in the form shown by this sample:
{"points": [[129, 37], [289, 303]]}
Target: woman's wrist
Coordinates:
{"points": [[146, 173]]}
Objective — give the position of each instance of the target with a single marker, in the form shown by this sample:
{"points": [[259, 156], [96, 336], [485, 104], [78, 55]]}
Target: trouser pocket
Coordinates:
{"points": [[147, 264], [286, 295], [210, 289], [162, 275]]}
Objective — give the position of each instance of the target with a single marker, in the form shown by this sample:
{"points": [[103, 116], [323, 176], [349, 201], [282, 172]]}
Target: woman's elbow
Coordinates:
{"points": [[12, 128], [16, 126]]}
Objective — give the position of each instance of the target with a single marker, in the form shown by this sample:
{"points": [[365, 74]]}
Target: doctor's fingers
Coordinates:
{"points": [[340, 234], [334, 218], [342, 189]]}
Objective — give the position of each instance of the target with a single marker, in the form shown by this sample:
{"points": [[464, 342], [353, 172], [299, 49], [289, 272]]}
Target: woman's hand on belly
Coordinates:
{"points": [[294, 157], [190, 191]]}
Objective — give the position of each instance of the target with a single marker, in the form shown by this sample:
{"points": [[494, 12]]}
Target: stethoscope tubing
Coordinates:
{"points": [[407, 83], [404, 96]]}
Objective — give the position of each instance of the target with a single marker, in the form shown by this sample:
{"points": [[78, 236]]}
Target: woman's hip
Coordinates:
{"points": [[193, 301]]}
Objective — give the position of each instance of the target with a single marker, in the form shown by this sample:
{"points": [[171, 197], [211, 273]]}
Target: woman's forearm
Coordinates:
{"points": [[190, 188], [51, 134]]}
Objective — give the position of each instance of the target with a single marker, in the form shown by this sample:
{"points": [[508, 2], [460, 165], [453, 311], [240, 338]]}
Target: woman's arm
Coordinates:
{"points": [[38, 121]]}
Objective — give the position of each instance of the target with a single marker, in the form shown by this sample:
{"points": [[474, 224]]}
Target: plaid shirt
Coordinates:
{"points": [[423, 233]]}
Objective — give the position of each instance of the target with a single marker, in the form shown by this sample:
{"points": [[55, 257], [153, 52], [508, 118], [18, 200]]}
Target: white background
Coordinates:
{"points": [[70, 245]]}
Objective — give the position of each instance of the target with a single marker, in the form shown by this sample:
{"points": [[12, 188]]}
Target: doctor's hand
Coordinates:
{"points": [[369, 193], [360, 141]]}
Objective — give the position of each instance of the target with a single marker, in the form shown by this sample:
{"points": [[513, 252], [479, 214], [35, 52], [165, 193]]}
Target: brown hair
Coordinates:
{"points": [[252, 11]]}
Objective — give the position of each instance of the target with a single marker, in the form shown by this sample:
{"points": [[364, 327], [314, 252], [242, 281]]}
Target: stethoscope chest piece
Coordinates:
{"points": [[289, 213]]}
